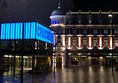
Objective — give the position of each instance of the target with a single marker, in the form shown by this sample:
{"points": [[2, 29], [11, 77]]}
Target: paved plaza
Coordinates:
{"points": [[92, 74]]}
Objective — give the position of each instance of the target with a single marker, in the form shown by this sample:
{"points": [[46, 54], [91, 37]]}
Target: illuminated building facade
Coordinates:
{"points": [[32, 38], [85, 38]]}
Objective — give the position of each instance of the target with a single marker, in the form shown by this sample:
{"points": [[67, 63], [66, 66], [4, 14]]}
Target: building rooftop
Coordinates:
{"points": [[58, 11]]}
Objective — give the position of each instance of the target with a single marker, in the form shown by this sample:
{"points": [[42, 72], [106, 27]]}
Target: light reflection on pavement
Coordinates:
{"points": [[93, 74]]}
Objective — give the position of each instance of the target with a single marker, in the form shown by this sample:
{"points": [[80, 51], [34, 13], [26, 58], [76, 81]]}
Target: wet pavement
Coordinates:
{"points": [[92, 74]]}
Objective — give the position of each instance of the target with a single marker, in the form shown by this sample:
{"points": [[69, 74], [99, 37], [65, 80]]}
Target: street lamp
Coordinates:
{"points": [[111, 22]]}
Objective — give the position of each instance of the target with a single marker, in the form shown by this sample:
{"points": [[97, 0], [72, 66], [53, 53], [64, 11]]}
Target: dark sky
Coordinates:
{"points": [[95, 5], [32, 10]]}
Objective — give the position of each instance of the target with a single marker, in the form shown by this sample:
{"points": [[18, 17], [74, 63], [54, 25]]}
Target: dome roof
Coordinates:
{"points": [[58, 12]]}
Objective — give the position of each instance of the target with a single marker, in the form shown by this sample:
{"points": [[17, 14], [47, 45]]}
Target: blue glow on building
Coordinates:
{"points": [[18, 31], [12, 31], [31, 30], [44, 34]]}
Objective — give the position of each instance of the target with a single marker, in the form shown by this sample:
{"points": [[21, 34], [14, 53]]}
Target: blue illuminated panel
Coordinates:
{"points": [[12, 36], [44, 34], [29, 30], [32, 30], [7, 30], [11, 31], [3, 31], [18, 30]]}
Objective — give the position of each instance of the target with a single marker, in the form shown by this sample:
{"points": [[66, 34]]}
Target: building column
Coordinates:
{"points": [[55, 39], [79, 41], [100, 42], [63, 40], [111, 42], [69, 41], [90, 42]]}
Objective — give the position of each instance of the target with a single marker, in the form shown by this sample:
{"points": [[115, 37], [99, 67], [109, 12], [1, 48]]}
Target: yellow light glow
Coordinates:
{"points": [[100, 44], [90, 42], [55, 25], [62, 62], [69, 41], [63, 40], [100, 41], [90, 48], [89, 57], [101, 58], [63, 48], [110, 43], [79, 42]]}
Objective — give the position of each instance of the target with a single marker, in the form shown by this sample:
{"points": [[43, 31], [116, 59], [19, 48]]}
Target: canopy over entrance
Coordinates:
{"points": [[96, 54]]}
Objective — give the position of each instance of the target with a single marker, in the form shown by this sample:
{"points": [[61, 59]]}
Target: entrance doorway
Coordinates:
{"points": [[58, 62], [95, 61], [74, 61]]}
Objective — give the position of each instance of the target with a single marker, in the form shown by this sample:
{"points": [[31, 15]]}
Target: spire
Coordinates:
{"points": [[59, 5]]}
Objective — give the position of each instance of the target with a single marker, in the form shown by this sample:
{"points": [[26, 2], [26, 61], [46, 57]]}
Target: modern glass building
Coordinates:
{"points": [[85, 38], [31, 40]]}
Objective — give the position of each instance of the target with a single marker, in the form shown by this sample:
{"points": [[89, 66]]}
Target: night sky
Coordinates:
{"points": [[95, 5], [40, 10]]}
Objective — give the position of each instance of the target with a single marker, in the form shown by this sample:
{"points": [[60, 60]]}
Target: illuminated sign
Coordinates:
{"points": [[44, 34], [30, 30]]}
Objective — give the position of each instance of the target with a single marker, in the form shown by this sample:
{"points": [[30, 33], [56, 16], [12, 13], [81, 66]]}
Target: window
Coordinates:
{"points": [[53, 22], [116, 31], [95, 31], [79, 30], [66, 31], [74, 31], [84, 31], [105, 31]]}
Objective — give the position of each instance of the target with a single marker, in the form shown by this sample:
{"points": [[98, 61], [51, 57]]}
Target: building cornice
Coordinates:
{"points": [[91, 12], [91, 25]]}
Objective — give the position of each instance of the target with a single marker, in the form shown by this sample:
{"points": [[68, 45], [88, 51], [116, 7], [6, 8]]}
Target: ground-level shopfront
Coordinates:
{"points": [[91, 59], [12, 63], [86, 58]]}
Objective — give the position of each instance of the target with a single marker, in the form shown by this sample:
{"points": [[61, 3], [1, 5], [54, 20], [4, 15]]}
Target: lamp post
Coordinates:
{"points": [[22, 49], [111, 22]]}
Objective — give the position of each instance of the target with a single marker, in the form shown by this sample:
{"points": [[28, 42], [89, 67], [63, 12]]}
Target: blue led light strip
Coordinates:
{"points": [[28, 30], [13, 30], [2, 31], [33, 24], [16, 31]]}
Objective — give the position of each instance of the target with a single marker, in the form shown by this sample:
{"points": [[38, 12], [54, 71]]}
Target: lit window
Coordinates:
{"points": [[58, 22]]}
